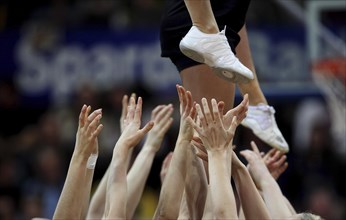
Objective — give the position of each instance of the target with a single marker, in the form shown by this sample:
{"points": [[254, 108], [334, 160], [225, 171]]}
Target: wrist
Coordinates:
{"points": [[78, 159], [149, 149], [217, 152], [183, 143], [121, 147]]}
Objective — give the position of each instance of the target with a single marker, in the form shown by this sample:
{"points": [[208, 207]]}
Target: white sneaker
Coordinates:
{"points": [[214, 50], [260, 119]]}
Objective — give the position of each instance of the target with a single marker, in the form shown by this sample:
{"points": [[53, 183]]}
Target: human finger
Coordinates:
{"points": [[82, 116], [156, 110], [92, 116], [198, 145], [206, 110], [232, 128], [147, 128], [201, 116], [255, 148], [97, 131], [221, 107], [216, 113], [93, 125], [124, 104]]}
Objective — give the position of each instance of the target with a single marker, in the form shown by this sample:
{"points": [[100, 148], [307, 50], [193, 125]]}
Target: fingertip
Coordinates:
{"points": [[246, 96], [151, 124]]}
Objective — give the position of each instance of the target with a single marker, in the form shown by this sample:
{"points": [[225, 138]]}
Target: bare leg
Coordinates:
{"points": [[202, 82], [202, 15], [257, 113], [244, 54]]}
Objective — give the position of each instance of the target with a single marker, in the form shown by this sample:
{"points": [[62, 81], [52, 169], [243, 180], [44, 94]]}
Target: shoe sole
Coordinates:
{"points": [[227, 74], [282, 149]]}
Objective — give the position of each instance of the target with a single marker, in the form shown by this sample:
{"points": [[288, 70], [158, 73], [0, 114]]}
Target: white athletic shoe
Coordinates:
{"points": [[260, 119], [214, 50]]}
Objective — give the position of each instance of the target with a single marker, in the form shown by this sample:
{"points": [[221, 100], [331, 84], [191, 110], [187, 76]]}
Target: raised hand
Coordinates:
{"points": [[162, 118], [132, 134], [187, 110], [276, 163], [212, 132], [256, 166], [265, 183], [88, 129], [74, 197], [125, 104], [239, 111]]}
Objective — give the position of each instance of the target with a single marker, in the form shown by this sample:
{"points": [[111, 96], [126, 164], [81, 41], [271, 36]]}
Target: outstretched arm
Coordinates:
{"points": [[271, 192], [276, 164], [75, 194], [173, 185], [125, 105], [251, 201], [98, 200], [138, 174], [116, 198], [196, 185], [218, 142]]}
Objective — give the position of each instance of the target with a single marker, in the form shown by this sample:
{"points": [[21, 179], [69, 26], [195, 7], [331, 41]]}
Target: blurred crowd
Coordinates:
{"points": [[36, 143], [112, 13]]}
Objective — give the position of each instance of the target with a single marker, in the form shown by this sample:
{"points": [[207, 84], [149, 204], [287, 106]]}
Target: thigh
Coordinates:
{"points": [[202, 82]]}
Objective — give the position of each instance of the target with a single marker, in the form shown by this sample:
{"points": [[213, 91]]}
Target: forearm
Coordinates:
{"points": [[117, 185], [128, 159], [274, 199], [69, 204], [98, 201], [196, 185], [251, 201], [137, 178], [87, 188], [184, 210], [220, 188], [290, 207], [208, 208], [173, 186]]}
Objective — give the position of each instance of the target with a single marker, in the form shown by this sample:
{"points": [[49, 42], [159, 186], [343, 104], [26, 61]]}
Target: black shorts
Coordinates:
{"points": [[176, 23]]}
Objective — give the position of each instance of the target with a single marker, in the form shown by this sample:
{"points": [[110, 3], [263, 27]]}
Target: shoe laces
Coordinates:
{"points": [[223, 47], [267, 119], [269, 109]]}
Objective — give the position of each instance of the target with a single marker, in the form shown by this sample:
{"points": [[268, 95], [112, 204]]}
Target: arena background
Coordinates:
{"points": [[57, 55]]}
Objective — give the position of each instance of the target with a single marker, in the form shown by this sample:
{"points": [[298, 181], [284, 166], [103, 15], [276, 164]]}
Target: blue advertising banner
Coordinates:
{"points": [[57, 63]]}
